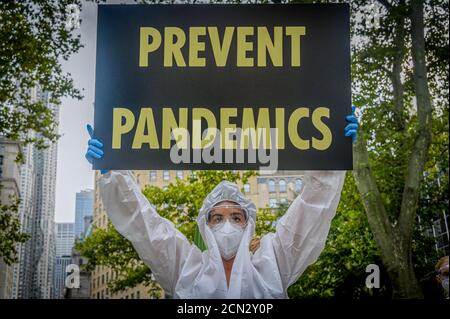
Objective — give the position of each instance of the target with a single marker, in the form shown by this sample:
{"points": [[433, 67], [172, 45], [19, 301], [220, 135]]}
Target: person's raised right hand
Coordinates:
{"points": [[95, 148]]}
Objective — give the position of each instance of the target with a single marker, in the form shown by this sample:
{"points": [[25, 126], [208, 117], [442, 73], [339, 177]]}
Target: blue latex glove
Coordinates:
{"points": [[352, 128], [95, 148]]}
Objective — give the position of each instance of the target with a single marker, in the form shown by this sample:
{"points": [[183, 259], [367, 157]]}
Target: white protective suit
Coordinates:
{"points": [[183, 271]]}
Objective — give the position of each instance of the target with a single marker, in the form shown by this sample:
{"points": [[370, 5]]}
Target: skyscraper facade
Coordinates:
{"points": [[22, 269], [43, 235], [34, 273], [65, 239], [84, 206]]}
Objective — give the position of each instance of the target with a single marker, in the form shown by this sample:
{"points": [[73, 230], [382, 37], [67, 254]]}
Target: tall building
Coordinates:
{"points": [[33, 274], [264, 190], [9, 191], [87, 225], [278, 188], [43, 234], [84, 206], [22, 269], [65, 239]]}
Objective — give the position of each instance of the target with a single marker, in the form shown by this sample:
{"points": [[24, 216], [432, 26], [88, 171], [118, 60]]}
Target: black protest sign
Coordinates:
{"points": [[223, 86]]}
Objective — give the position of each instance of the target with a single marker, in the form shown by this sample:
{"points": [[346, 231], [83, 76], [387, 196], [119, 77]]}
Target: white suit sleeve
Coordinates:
{"points": [[302, 231], [159, 244]]}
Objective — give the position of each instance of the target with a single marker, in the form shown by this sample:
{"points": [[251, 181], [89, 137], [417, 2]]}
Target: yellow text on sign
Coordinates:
{"points": [[256, 130], [173, 39]]}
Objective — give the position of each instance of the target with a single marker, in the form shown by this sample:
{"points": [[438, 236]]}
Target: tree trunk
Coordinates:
{"points": [[395, 252], [394, 248], [371, 198], [403, 278]]}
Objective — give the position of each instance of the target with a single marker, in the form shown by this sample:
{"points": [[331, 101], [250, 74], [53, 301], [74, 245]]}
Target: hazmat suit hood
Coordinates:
{"points": [[226, 191]]}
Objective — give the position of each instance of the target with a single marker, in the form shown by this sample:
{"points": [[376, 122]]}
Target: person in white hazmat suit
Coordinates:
{"points": [[227, 269]]}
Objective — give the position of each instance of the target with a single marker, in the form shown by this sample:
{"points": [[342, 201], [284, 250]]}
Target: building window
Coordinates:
{"points": [[138, 295], [152, 176], [180, 174], [103, 279], [246, 188], [439, 230], [271, 186], [298, 185], [166, 175], [282, 186], [132, 295]]}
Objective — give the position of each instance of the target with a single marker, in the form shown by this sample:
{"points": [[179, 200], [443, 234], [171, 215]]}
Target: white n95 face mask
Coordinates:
{"points": [[228, 237]]}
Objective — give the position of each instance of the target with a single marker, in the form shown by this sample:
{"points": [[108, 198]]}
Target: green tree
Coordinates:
{"points": [[10, 234], [400, 81], [35, 39], [340, 270], [398, 71]]}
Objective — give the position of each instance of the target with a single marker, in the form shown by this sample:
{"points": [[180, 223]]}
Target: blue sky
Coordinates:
{"points": [[74, 172]]}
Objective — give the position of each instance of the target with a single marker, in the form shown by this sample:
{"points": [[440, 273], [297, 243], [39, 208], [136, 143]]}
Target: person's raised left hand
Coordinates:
{"points": [[352, 128]]}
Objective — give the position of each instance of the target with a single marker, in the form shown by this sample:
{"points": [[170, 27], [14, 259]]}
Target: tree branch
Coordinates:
{"points": [[397, 85], [422, 142], [371, 197]]}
